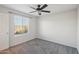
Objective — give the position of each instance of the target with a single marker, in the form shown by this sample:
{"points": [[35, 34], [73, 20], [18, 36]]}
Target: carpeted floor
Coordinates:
{"points": [[39, 46]]}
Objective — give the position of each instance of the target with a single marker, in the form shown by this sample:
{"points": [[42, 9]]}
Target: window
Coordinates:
{"points": [[21, 24]]}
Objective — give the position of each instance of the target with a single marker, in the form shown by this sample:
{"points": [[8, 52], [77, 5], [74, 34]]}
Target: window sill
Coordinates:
{"points": [[20, 34]]}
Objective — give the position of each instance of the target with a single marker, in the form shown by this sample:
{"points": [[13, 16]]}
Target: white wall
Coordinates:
{"points": [[60, 28], [78, 29], [17, 39]]}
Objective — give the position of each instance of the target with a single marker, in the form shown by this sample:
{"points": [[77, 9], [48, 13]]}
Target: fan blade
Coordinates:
{"points": [[32, 12], [44, 6], [45, 11], [33, 8]]}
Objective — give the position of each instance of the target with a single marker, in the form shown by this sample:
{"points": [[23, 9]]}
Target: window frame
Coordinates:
{"points": [[27, 19]]}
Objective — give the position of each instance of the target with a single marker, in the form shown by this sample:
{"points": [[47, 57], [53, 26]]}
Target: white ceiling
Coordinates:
{"points": [[54, 8]]}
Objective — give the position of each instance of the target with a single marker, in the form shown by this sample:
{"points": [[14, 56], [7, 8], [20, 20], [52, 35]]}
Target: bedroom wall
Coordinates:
{"points": [[60, 28], [31, 34], [78, 28]]}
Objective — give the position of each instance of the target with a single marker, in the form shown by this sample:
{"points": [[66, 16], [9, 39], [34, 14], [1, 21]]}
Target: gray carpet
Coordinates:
{"points": [[39, 46]]}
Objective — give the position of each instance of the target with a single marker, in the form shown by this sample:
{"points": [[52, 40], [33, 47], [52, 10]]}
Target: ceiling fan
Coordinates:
{"points": [[40, 8]]}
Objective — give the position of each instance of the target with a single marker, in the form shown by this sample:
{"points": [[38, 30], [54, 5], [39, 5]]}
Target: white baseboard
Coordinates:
{"points": [[48, 39]]}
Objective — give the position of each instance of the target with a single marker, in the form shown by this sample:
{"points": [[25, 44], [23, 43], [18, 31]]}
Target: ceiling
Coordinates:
{"points": [[54, 8]]}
